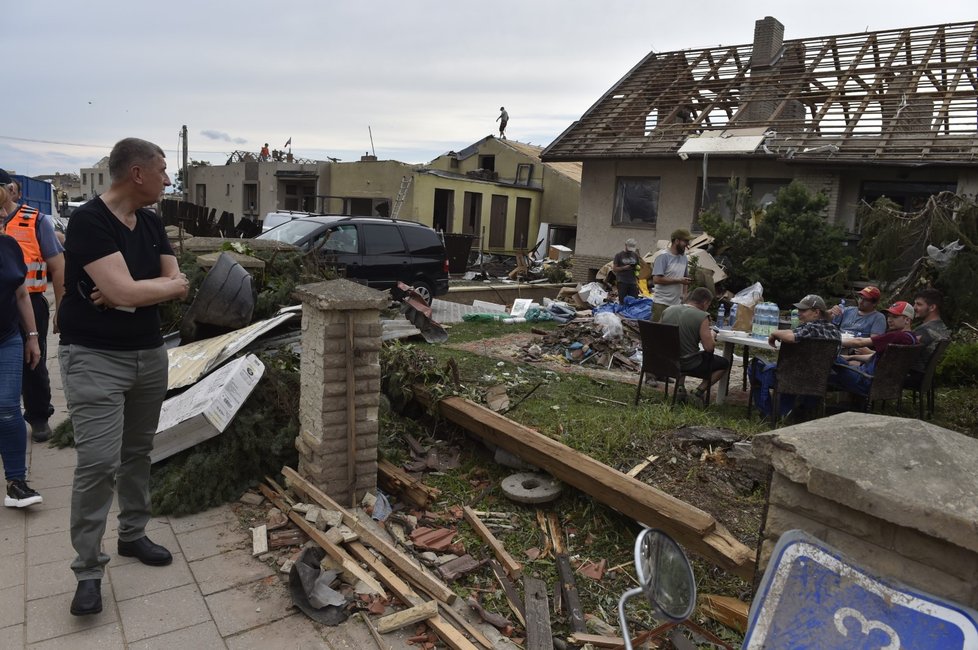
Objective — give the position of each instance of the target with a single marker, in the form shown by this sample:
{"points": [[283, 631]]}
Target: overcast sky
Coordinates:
{"points": [[426, 76]]}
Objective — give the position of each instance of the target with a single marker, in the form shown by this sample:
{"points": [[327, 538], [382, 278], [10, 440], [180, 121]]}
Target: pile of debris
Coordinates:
{"points": [[583, 342]]}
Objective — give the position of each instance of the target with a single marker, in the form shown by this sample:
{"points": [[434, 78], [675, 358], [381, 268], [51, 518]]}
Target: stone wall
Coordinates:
{"points": [[331, 397], [897, 496]]}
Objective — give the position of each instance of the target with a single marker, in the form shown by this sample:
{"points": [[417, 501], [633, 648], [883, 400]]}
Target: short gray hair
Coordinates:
{"points": [[700, 295], [128, 152]]}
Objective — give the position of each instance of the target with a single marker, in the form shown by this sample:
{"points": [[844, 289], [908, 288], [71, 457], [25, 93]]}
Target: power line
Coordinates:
{"points": [[93, 146]]}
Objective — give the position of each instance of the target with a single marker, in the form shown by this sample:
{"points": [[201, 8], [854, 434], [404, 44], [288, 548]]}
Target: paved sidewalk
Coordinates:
{"points": [[214, 595]]}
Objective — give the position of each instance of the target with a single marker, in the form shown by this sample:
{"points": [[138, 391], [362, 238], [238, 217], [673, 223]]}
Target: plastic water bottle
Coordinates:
{"points": [[794, 319], [775, 318], [771, 319], [733, 315]]}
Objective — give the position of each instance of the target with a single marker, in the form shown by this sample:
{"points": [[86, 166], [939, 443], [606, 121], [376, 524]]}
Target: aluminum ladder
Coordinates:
{"points": [[401, 195]]}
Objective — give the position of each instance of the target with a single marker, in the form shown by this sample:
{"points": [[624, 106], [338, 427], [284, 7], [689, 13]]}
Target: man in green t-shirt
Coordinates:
{"points": [[695, 330]]}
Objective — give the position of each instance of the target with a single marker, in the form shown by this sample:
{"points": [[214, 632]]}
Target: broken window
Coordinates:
{"points": [[636, 202], [488, 163], [764, 191], [717, 195], [524, 172]]}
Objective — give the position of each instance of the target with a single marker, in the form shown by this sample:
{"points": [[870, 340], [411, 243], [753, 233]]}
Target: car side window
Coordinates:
{"points": [[342, 239], [421, 241], [382, 240]]}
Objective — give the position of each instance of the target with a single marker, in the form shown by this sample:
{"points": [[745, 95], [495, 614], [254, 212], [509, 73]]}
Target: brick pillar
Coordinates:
{"points": [[339, 385], [897, 496]]}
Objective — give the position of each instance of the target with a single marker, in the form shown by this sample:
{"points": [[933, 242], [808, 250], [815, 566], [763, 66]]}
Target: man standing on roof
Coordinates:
{"points": [[263, 154], [669, 274], [862, 319], [502, 119], [45, 261], [625, 265]]}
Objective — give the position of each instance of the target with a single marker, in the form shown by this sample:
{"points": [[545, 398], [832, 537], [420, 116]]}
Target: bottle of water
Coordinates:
{"points": [[794, 319], [733, 314], [772, 319], [760, 321]]}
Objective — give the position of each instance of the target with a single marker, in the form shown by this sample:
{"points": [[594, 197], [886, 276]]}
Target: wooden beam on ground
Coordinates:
{"points": [[568, 591], [445, 631], [512, 567], [725, 609], [461, 622], [408, 616], [695, 529], [338, 554], [401, 562], [538, 633], [395, 480], [509, 590], [373, 632]]}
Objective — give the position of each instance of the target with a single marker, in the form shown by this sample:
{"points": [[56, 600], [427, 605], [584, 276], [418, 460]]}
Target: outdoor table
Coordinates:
{"points": [[731, 339]]}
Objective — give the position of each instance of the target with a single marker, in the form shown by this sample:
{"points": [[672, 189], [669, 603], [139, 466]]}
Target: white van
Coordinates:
{"points": [[273, 219]]}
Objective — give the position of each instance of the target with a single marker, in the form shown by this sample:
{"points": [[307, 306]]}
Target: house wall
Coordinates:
{"points": [[598, 239], [94, 181], [226, 186], [378, 180]]}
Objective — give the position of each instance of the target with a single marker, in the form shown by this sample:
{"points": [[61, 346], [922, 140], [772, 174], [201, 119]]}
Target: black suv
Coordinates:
{"points": [[377, 252]]}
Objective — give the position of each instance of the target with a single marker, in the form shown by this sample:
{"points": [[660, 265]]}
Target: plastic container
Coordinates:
{"points": [[733, 315], [794, 319]]}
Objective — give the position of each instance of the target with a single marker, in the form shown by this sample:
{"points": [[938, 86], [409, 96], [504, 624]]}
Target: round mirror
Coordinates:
{"points": [[665, 574]]}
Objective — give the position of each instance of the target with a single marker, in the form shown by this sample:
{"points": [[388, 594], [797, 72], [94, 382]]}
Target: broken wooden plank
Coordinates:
{"points": [[695, 529], [727, 610], [400, 561], [569, 595], [445, 631], [287, 537], [259, 540], [395, 480], [509, 590], [408, 616], [373, 632], [635, 471], [538, 633], [334, 551], [596, 640], [512, 567]]}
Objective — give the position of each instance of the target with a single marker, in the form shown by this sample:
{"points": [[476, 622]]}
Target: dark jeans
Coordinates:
{"points": [[37, 384], [13, 432], [625, 290]]}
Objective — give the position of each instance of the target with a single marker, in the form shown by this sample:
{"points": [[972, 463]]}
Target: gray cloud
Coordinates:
{"points": [[222, 136]]}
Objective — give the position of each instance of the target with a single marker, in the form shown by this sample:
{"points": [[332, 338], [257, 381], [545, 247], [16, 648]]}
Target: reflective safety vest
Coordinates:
{"points": [[22, 226]]}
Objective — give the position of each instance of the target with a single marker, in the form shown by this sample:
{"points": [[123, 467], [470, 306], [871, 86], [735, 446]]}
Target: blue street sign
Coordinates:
{"points": [[813, 598]]}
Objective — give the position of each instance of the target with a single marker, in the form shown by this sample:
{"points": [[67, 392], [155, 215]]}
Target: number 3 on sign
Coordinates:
{"points": [[866, 627]]}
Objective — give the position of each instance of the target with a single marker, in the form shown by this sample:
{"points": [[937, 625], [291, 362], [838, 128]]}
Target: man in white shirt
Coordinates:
{"points": [[669, 274]]}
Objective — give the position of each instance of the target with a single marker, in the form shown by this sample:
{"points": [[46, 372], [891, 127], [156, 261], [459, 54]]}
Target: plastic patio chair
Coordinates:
{"points": [[803, 370], [926, 385], [660, 355]]}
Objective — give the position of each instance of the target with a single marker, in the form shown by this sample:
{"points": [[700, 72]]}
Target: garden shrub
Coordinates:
{"points": [[959, 367]]}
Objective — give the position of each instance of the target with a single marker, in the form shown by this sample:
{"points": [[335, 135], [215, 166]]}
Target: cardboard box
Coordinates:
{"points": [[558, 252], [205, 409]]}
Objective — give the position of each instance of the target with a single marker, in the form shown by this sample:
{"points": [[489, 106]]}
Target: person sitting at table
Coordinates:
{"points": [[693, 322], [814, 323], [861, 319], [854, 371]]}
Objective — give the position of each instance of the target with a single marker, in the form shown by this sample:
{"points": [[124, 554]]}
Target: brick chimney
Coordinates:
{"points": [[768, 39]]}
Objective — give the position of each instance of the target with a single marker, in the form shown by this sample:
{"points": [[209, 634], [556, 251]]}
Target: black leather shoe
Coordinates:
{"points": [[88, 597], [146, 552]]}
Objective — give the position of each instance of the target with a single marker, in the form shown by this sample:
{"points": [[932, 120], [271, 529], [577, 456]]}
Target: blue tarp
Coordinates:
{"points": [[634, 308]]}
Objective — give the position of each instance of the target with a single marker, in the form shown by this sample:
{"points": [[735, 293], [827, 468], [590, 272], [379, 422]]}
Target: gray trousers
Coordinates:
{"points": [[114, 400]]}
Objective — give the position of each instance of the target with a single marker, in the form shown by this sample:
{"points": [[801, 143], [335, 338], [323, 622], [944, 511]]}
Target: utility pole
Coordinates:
{"points": [[186, 180]]}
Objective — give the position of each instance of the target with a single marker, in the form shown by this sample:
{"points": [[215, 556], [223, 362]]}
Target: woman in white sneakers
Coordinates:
{"points": [[18, 342]]}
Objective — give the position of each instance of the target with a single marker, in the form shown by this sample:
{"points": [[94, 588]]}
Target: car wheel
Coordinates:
{"points": [[423, 289]]}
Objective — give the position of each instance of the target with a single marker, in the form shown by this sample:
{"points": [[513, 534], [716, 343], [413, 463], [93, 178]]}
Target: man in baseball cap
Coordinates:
{"points": [[867, 351], [861, 319], [669, 273]]}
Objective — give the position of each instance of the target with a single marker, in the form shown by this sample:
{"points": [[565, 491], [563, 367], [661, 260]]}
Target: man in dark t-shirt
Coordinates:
{"points": [[624, 265], [113, 364]]}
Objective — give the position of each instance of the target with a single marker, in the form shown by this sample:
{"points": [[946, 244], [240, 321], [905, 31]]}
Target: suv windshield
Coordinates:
{"points": [[291, 232]]}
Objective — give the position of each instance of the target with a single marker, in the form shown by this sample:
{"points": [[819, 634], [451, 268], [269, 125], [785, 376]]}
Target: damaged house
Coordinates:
{"points": [[857, 116]]}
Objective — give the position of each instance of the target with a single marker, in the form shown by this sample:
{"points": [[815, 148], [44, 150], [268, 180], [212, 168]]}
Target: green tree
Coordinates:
{"points": [[789, 247]]}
